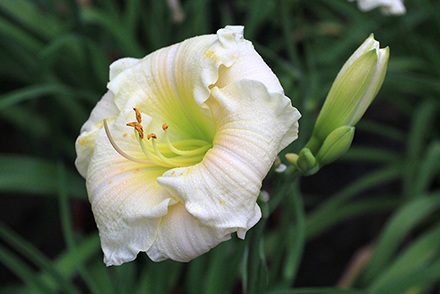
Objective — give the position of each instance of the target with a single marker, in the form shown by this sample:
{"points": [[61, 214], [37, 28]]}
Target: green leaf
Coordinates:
{"points": [[318, 291], [32, 92], [255, 272], [429, 168], [398, 227], [296, 236], [38, 258], [319, 219], [26, 13], [22, 271], [417, 257], [24, 174]]}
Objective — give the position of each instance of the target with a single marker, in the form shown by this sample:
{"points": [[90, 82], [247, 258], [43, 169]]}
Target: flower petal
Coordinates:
{"points": [[172, 84], [181, 238], [249, 66], [85, 143], [127, 202], [221, 191]]}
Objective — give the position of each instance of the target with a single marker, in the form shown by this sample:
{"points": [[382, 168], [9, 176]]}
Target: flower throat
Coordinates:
{"points": [[169, 154]]}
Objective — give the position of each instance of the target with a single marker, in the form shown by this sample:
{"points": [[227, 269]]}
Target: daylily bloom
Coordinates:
{"points": [[175, 152], [386, 6]]}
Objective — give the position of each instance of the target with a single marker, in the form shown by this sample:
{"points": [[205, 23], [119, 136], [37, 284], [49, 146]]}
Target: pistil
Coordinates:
{"points": [[163, 154]]}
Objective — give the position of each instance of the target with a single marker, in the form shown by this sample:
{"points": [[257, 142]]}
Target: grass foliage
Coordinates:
{"points": [[379, 204]]}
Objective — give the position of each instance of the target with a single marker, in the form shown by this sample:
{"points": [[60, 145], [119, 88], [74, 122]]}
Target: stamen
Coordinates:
{"points": [[137, 124], [157, 157], [164, 154], [152, 135], [119, 150], [138, 127], [138, 115], [200, 150]]}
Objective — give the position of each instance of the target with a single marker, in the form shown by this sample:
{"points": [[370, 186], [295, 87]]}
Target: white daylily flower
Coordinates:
{"points": [[213, 118], [386, 6]]}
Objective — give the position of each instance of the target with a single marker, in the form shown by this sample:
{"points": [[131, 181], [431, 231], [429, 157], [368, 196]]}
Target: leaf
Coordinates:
{"points": [[25, 174], [417, 257], [397, 228]]}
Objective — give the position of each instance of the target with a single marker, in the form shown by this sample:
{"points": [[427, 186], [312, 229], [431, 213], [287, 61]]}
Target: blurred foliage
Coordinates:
{"points": [[379, 204]]}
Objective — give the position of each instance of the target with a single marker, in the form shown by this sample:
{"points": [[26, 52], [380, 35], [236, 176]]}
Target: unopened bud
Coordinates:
{"points": [[354, 88], [335, 145], [306, 162]]}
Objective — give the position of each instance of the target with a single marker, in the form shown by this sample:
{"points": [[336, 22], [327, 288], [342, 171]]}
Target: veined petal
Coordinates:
{"points": [[85, 143], [181, 238], [126, 200], [221, 191], [172, 84], [218, 114]]}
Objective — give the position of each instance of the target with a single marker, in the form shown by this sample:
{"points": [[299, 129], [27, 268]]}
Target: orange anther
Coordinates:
{"points": [[138, 127], [164, 127], [138, 115], [152, 135]]}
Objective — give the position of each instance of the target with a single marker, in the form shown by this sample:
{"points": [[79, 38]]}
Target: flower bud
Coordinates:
{"points": [[306, 162], [335, 145], [292, 158], [353, 90]]}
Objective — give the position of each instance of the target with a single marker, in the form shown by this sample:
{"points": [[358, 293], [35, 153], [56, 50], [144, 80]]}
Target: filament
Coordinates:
{"points": [[119, 150]]}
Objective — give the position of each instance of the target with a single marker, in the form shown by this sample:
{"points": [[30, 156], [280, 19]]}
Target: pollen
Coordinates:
{"points": [[125, 135], [211, 54], [81, 141], [138, 127], [152, 135], [137, 124], [138, 115]]}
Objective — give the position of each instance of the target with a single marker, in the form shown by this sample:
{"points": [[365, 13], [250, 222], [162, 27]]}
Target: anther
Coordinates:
{"points": [[138, 127], [138, 115], [164, 127], [152, 135]]}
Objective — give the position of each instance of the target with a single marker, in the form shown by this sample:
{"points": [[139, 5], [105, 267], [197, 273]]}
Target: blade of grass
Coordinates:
{"points": [[318, 219], [23, 271], [257, 14], [429, 168], [38, 258], [20, 36], [422, 122], [296, 236], [371, 155], [65, 263], [68, 232], [318, 291], [398, 227], [353, 210], [415, 258], [24, 174], [27, 14], [125, 40], [255, 271], [32, 92]]}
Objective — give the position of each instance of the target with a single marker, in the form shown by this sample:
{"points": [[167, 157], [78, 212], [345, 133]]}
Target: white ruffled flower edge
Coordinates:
{"points": [[181, 213], [387, 7]]}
